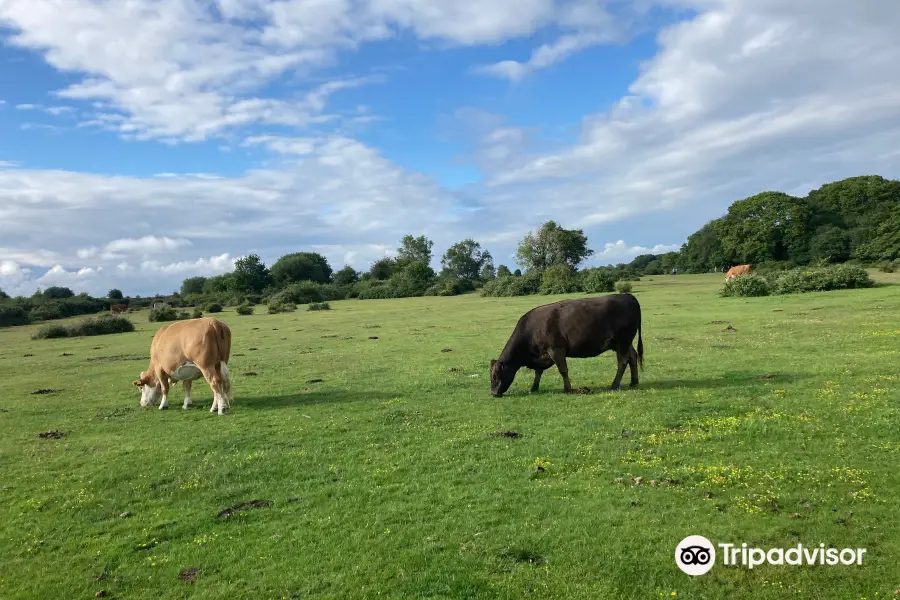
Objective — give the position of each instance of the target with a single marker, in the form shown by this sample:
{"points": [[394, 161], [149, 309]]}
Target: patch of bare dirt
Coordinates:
{"points": [[315, 380], [507, 434], [373, 337], [51, 435], [446, 350], [189, 575], [228, 512], [43, 391], [249, 374], [729, 329], [582, 391]]}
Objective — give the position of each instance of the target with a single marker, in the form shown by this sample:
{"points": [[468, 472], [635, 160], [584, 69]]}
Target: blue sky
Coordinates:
{"points": [[145, 142]]}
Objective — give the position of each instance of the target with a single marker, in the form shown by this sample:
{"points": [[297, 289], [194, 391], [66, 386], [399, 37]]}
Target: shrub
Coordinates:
{"points": [[597, 281], [213, 307], [559, 279], [183, 314], [319, 306], [303, 292], [244, 310], [820, 279], [162, 313], [102, 325], [748, 285], [523, 285], [13, 315], [623, 287], [375, 290], [281, 307], [197, 313]]}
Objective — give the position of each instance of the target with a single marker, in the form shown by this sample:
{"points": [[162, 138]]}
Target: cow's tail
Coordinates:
{"points": [[640, 346]]}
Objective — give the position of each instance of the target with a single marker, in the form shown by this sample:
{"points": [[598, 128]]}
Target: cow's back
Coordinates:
{"points": [[584, 327], [203, 341]]}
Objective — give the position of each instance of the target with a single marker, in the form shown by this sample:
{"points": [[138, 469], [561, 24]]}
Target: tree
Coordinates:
{"points": [[487, 272], [56, 293], [830, 243], [551, 246], [465, 259], [300, 266], [250, 274], [503, 271], [219, 284], [383, 268], [346, 276], [412, 280], [193, 285], [771, 226], [702, 252], [114, 294], [414, 249], [517, 272]]}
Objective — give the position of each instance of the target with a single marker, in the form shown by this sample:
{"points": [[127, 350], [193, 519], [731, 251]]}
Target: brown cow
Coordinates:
{"points": [[118, 308], [738, 270], [186, 351], [579, 328]]}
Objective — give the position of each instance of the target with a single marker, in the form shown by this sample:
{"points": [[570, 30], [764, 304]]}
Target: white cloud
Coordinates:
{"points": [[145, 245], [616, 252], [8, 163], [189, 70]]}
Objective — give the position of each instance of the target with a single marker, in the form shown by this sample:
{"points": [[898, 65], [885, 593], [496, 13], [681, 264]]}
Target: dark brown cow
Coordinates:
{"points": [[118, 308], [581, 328]]}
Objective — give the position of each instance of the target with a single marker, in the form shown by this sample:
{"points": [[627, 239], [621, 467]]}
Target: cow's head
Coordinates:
{"points": [[502, 376], [151, 390]]}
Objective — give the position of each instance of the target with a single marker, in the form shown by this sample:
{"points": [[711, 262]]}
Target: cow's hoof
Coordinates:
{"points": [[614, 388], [633, 384], [166, 407]]}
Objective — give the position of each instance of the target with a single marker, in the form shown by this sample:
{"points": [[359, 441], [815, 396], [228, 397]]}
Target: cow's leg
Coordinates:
{"points": [[215, 384], [187, 393], [633, 363], [163, 379], [559, 358], [537, 380], [226, 384], [622, 358]]}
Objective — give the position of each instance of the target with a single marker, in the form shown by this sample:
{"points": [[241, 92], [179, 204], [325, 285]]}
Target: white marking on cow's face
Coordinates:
{"points": [[150, 394]]}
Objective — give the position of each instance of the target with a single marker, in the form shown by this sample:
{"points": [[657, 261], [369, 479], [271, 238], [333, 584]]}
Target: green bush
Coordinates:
{"points": [[747, 285], [306, 292], [213, 307], [559, 279], [624, 287], [102, 325], [183, 314], [597, 281], [197, 313], [523, 285], [375, 290], [13, 315], [821, 279], [162, 313], [244, 310], [319, 306], [281, 307]]}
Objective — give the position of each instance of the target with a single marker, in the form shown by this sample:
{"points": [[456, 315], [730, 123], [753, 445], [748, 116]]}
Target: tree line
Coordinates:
{"points": [[855, 219]]}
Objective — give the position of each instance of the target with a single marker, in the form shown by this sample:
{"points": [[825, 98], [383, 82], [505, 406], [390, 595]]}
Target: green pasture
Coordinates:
{"points": [[771, 421]]}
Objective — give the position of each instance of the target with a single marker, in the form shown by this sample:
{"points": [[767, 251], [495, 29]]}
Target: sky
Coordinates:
{"points": [[146, 141]]}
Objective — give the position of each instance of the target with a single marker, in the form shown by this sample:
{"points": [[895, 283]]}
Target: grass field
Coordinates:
{"points": [[385, 479]]}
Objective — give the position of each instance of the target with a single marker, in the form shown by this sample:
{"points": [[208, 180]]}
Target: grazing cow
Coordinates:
{"points": [[118, 308], [186, 351], [581, 328], [735, 271]]}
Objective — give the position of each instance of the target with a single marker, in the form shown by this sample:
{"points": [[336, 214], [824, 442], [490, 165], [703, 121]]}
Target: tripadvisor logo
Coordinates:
{"points": [[696, 555]]}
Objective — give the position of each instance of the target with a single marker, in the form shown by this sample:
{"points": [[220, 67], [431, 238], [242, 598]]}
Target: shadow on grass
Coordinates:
{"points": [[308, 399], [731, 380]]}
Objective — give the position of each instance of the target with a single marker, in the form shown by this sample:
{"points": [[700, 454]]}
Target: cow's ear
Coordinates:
{"points": [[493, 363], [137, 383]]}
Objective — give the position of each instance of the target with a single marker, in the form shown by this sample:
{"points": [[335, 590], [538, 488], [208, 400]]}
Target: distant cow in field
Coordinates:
{"points": [[118, 308], [186, 351], [738, 270], [580, 328]]}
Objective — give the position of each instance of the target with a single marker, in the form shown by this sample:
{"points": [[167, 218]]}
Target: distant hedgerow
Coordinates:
{"points": [[799, 281], [101, 325]]}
